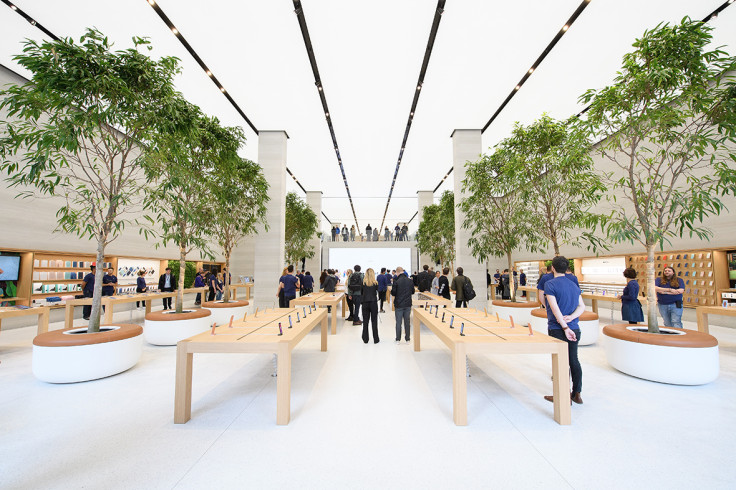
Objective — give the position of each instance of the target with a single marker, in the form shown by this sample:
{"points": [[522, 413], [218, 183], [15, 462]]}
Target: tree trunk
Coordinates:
{"points": [[651, 293], [94, 317], [226, 277], [512, 289], [556, 246], [182, 272]]}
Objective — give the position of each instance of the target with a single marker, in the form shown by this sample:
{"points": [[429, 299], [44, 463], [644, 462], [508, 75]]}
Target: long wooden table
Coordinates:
{"points": [[41, 311], [702, 313], [595, 298], [234, 290], [258, 333], [109, 303], [486, 335], [428, 299], [324, 300], [530, 290]]}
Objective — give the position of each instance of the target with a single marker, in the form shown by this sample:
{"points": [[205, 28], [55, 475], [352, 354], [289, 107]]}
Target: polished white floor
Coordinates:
{"points": [[363, 416]]}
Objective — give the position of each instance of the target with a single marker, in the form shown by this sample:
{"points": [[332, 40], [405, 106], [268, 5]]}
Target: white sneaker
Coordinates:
{"points": [[408, 341], [398, 342]]}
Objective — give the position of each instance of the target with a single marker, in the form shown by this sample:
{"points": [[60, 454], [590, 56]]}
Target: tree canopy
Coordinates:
{"points": [[301, 226], [436, 232]]}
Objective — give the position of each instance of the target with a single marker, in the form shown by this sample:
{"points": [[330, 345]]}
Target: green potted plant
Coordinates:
{"points": [[79, 129], [301, 225], [436, 231], [668, 128]]}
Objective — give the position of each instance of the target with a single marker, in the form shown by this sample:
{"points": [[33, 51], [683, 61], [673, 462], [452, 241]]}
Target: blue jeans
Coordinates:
{"points": [[671, 314], [405, 315]]}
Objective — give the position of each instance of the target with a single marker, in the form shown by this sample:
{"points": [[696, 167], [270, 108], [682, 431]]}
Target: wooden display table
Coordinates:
{"points": [[41, 311], [595, 298], [234, 290], [109, 303], [486, 335], [429, 299], [257, 334], [529, 290], [324, 300], [19, 301], [702, 313]]}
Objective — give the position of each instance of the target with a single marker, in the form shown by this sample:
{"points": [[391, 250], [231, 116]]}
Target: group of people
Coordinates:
{"points": [[400, 233], [290, 282], [669, 289], [213, 281], [502, 282]]}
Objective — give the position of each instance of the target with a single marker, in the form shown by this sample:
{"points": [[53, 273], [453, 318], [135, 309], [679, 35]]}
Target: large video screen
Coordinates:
{"points": [[9, 265], [343, 259]]}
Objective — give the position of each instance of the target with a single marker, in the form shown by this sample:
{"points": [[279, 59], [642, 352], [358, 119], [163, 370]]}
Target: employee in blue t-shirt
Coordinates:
{"points": [[88, 288], [669, 290], [109, 280], [565, 305], [308, 283], [548, 276], [289, 283], [383, 281]]}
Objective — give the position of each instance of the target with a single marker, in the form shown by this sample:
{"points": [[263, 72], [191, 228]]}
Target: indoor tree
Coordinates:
{"points": [[554, 172], [495, 211], [436, 232], [668, 129], [240, 195], [184, 165], [301, 226], [79, 129]]}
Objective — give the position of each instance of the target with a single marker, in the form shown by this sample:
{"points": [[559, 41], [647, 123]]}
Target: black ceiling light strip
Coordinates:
{"points": [[30, 19], [422, 72], [196, 57], [299, 11]]}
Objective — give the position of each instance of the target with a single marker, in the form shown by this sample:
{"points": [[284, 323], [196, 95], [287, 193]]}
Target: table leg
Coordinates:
{"points": [[69, 316], [283, 385], [247, 294], [594, 305], [43, 321], [344, 305], [561, 386], [108, 312], [234, 293], [459, 385], [702, 321], [148, 307], [417, 329], [334, 319], [323, 347], [183, 387]]}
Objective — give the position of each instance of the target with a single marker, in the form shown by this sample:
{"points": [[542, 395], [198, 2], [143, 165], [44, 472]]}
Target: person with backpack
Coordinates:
{"points": [[369, 290], [463, 289], [424, 280], [355, 292]]}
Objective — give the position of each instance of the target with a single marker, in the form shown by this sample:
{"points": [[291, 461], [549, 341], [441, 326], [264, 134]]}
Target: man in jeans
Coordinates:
{"points": [[402, 291], [564, 306], [355, 293]]}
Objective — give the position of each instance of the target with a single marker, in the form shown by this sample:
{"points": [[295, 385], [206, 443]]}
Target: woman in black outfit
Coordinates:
{"points": [[444, 284], [140, 287], [369, 292]]}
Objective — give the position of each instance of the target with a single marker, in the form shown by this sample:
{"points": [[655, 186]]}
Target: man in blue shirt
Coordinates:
{"points": [[289, 283], [308, 285], [300, 276], [383, 282], [199, 283], [88, 287], [565, 307], [109, 280], [548, 276]]}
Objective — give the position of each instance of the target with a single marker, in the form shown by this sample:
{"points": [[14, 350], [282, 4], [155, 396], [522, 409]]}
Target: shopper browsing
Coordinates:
{"points": [[436, 283], [88, 288], [167, 284], [630, 305], [288, 283], [369, 296], [669, 290], [444, 284], [402, 291], [383, 282], [565, 307], [141, 287], [354, 290], [458, 283]]}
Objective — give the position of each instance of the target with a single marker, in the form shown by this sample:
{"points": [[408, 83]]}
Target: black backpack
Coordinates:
{"points": [[425, 283], [468, 291], [355, 282]]}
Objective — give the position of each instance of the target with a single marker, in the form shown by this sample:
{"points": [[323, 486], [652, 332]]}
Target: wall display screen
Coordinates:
{"points": [[9, 265], [343, 259], [128, 270]]}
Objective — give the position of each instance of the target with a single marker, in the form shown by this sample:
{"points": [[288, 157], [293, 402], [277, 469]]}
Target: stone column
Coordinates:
{"points": [[466, 146], [424, 198], [313, 265], [269, 244]]}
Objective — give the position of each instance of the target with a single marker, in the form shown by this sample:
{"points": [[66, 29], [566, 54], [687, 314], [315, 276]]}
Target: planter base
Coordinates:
{"points": [[221, 312], [520, 310], [163, 328], [686, 358], [63, 356]]}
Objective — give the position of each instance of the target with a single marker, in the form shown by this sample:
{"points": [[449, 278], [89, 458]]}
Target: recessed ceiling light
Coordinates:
{"points": [[319, 88], [327, 114], [714, 16], [13, 7], [531, 70], [222, 89], [565, 27], [209, 73], [412, 114], [517, 87], [419, 87], [173, 29], [152, 2]]}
